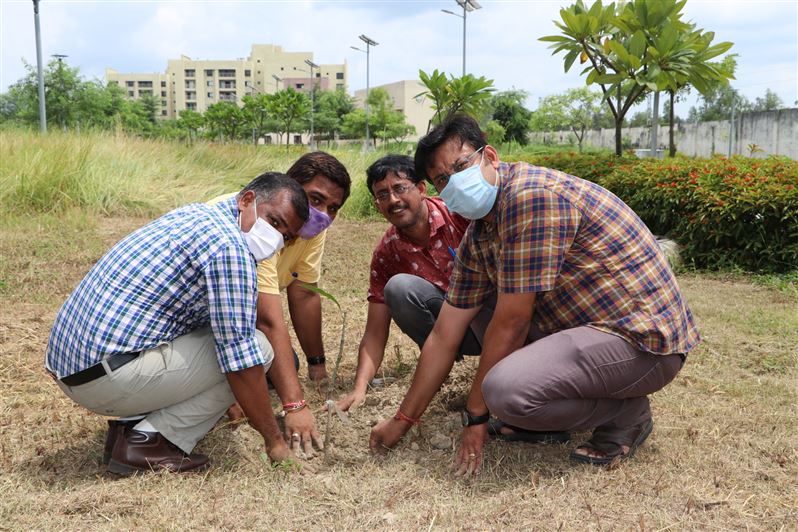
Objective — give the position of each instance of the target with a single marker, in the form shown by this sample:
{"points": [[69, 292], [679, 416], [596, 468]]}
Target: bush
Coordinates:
{"points": [[737, 212], [591, 166]]}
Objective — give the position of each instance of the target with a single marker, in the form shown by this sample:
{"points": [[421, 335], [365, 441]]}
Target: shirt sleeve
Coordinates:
{"points": [[268, 281], [378, 276], [537, 229], [308, 265], [469, 284], [232, 301]]}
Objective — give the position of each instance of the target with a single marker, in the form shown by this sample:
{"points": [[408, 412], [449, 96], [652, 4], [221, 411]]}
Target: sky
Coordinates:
{"points": [[141, 35]]}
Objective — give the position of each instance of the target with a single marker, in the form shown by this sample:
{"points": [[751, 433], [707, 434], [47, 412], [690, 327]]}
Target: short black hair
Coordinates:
{"points": [[268, 184], [401, 165], [458, 126], [321, 163]]}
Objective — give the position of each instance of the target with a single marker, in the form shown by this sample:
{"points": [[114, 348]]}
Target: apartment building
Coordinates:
{"points": [[196, 84], [417, 109]]}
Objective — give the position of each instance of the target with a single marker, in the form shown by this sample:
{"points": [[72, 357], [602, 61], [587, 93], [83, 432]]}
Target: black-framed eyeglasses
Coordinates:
{"points": [[441, 180], [398, 190]]}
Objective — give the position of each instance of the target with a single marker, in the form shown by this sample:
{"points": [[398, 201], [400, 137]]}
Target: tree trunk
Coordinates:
{"points": [[671, 144], [618, 124]]}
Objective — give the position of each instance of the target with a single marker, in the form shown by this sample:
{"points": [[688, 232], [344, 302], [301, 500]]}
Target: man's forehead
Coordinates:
{"points": [[448, 152]]}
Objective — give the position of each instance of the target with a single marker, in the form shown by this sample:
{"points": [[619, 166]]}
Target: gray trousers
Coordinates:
{"points": [[577, 379], [178, 384], [415, 304]]}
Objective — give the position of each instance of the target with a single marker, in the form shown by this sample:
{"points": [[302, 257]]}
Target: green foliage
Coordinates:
{"points": [[495, 133], [507, 108], [636, 47], [593, 167], [385, 123], [331, 108], [769, 102], [577, 110], [289, 107], [466, 94], [723, 212]]}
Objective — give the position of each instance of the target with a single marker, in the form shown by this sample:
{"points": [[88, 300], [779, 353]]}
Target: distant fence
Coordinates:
{"points": [[773, 132]]}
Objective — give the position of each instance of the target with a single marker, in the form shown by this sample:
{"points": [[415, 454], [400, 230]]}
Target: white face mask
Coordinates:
{"points": [[262, 238]]}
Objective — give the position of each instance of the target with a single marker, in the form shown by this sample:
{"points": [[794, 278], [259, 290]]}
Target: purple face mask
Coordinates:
{"points": [[317, 222]]}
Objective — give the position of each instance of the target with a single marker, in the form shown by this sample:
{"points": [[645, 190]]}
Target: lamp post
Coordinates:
{"points": [[42, 113], [467, 5], [369, 43], [277, 79], [312, 65], [62, 111]]}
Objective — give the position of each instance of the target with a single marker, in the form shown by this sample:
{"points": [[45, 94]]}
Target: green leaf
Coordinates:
{"points": [[321, 292]]}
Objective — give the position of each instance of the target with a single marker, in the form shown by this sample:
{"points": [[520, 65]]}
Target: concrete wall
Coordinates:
{"points": [[774, 132]]}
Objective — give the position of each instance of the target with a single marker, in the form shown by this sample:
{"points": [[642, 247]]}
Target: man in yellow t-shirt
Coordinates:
{"points": [[327, 184]]}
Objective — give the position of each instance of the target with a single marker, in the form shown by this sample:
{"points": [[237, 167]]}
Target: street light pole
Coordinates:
{"points": [[42, 113], [369, 43], [467, 5], [312, 65]]}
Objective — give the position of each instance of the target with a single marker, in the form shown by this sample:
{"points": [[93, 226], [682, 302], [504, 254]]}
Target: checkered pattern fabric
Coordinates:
{"points": [[188, 269], [586, 254]]}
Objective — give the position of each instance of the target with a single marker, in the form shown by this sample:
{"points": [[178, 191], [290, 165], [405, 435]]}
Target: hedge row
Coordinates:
{"points": [[737, 212]]}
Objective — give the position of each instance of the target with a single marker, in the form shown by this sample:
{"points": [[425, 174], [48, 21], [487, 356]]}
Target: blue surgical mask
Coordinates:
{"points": [[469, 194]]}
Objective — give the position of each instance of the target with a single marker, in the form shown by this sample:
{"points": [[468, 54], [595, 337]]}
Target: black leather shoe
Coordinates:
{"points": [[139, 451]]}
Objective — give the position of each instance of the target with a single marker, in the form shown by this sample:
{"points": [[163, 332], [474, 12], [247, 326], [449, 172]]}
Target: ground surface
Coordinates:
{"points": [[723, 455]]}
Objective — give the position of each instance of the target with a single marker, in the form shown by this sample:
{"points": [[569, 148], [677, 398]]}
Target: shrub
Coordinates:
{"points": [[723, 212], [591, 166]]}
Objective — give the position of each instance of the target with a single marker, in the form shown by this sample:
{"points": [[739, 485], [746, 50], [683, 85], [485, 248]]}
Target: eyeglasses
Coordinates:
{"points": [[441, 180], [399, 190]]}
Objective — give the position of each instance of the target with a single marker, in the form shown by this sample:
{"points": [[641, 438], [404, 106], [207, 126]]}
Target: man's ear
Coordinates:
{"points": [[492, 155], [245, 200], [422, 187]]}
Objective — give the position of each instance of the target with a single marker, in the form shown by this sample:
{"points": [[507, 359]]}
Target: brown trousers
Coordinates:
{"points": [[577, 379]]}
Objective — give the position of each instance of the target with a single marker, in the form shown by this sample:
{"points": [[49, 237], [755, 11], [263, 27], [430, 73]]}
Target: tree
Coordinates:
{"points": [[331, 108], [289, 108], [630, 49], [384, 121], [225, 119], [507, 108], [769, 102], [256, 114], [495, 133], [191, 121], [466, 94], [577, 110]]}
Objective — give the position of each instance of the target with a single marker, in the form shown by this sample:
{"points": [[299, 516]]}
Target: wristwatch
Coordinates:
{"points": [[468, 420]]}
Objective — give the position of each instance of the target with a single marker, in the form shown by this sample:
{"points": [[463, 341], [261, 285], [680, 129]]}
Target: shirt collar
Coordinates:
{"points": [[436, 221], [487, 230]]}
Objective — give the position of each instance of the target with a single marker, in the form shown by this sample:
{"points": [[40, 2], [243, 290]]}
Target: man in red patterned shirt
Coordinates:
{"points": [[410, 267], [588, 319]]}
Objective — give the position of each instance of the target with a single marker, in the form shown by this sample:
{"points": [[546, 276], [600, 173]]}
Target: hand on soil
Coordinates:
{"points": [[351, 401], [386, 434], [301, 433], [468, 460]]}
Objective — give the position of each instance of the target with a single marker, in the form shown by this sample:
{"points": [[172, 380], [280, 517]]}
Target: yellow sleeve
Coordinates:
{"points": [[308, 265], [267, 276]]}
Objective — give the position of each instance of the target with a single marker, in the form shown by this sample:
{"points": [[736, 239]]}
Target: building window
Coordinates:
{"points": [[163, 112], [191, 95], [145, 84], [339, 86], [130, 94], [191, 84], [130, 83], [247, 73], [163, 95], [299, 85], [163, 84], [339, 75], [259, 73], [208, 72], [189, 72], [192, 106], [163, 103], [281, 68], [227, 73], [227, 84], [145, 93], [210, 96], [297, 139]]}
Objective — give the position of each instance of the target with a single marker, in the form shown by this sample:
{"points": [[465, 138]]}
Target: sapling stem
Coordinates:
{"points": [[330, 403]]}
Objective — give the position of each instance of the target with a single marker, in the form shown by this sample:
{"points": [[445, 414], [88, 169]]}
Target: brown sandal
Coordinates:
{"points": [[610, 441]]}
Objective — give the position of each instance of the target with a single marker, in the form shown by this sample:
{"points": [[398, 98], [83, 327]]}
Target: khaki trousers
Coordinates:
{"points": [[178, 385]]}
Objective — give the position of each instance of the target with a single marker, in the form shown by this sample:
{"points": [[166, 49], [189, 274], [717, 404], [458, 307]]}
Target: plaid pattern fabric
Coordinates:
{"points": [[188, 269], [586, 254]]}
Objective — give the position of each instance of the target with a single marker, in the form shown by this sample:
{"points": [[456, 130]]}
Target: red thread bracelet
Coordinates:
{"points": [[293, 407], [401, 416]]}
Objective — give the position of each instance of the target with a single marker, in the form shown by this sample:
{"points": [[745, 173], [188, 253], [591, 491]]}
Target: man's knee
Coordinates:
{"points": [[398, 289], [503, 394]]}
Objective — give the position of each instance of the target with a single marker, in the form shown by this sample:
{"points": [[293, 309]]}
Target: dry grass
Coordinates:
{"points": [[723, 455]]}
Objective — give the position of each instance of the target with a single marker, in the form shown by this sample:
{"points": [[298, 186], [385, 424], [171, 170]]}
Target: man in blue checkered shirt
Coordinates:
{"points": [[164, 325]]}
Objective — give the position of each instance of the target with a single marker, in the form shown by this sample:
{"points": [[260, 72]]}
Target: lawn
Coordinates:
{"points": [[723, 455]]}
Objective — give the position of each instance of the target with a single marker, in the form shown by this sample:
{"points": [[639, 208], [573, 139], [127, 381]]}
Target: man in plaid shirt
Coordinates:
{"points": [[588, 320], [164, 325]]}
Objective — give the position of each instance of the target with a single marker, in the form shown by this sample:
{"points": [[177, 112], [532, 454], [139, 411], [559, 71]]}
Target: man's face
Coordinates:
{"points": [[454, 155], [399, 200], [277, 211], [324, 195]]}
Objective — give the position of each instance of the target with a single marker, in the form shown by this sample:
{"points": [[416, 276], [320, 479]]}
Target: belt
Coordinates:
{"points": [[98, 370]]}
